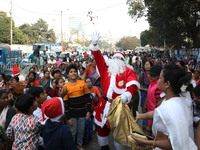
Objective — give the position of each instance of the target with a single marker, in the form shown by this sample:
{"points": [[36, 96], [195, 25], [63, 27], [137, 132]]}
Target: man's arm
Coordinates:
{"points": [[100, 61]]}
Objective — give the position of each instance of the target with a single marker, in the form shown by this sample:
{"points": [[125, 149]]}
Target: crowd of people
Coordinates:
{"points": [[57, 104]]}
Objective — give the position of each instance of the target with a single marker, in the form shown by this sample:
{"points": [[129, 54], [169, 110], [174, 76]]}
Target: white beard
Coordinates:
{"points": [[115, 66]]}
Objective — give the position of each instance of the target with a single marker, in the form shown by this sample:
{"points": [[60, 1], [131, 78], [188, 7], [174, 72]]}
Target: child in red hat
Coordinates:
{"points": [[55, 133]]}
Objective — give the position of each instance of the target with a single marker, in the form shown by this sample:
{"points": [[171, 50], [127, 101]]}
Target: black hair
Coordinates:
{"points": [[54, 79], [151, 64], [176, 76], [196, 90], [32, 73], [45, 71], [39, 46], [62, 64], [71, 67], [81, 67], [55, 71], [181, 63], [1, 92], [48, 88], [35, 91], [32, 68], [24, 102], [3, 75], [88, 78], [58, 79], [8, 77], [16, 78]]}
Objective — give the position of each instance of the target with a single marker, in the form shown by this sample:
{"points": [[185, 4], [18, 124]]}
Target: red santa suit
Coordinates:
{"points": [[112, 86]]}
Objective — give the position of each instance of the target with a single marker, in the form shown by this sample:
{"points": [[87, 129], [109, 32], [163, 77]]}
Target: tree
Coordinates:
{"points": [[4, 28], [103, 44], [128, 43], [174, 20], [151, 37], [38, 32], [18, 36]]}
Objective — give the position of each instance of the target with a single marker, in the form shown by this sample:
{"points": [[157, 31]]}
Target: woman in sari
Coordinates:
{"points": [[173, 119], [46, 80], [144, 84]]}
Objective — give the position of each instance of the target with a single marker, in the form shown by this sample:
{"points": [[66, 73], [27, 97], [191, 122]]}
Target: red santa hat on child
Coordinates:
{"points": [[15, 71], [53, 108], [119, 55]]}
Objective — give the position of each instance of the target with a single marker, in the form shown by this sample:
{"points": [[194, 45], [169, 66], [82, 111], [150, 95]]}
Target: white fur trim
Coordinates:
{"points": [[104, 119], [113, 88], [15, 74], [102, 141], [128, 96], [94, 48], [133, 83], [110, 90], [119, 55]]}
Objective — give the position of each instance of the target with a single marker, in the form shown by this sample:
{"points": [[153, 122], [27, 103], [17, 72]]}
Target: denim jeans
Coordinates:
{"points": [[78, 130]]}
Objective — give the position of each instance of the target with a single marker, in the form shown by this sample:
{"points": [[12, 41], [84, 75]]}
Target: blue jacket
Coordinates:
{"points": [[57, 136]]}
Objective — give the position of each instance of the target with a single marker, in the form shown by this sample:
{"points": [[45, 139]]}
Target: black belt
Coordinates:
{"points": [[105, 98]]}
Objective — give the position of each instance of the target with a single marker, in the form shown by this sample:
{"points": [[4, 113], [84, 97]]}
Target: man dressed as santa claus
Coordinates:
{"points": [[117, 79]]}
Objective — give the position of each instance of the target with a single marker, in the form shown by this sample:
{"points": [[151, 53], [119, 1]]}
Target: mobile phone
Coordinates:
{"points": [[148, 137]]}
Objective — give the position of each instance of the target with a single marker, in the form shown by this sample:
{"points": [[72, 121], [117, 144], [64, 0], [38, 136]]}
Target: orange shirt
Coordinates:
{"points": [[35, 83]]}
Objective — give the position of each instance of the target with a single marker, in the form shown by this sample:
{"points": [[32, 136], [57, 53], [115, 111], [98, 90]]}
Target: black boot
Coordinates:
{"points": [[106, 147]]}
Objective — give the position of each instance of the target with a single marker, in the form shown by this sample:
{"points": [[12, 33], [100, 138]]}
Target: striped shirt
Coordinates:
{"points": [[77, 100]]}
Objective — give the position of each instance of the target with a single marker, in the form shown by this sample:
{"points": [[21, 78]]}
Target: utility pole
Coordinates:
{"points": [[11, 22], [61, 30]]}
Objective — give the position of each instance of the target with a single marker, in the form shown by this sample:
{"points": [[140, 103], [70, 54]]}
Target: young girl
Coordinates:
{"points": [[24, 127], [58, 88], [60, 82]]}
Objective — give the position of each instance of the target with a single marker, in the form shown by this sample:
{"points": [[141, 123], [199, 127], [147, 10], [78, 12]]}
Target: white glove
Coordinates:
{"points": [[123, 98], [95, 37]]}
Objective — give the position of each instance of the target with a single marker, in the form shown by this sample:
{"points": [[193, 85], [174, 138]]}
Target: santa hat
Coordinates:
{"points": [[120, 55], [15, 71], [53, 108]]}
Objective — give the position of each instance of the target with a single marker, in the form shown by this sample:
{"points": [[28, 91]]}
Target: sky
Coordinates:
{"points": [[110, 16]]}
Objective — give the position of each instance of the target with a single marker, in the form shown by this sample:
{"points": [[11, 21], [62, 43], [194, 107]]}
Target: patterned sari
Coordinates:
{"points": [[144, 82]]}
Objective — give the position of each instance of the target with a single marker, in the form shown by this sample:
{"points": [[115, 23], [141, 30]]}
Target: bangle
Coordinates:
{"points": [[154, 142]]}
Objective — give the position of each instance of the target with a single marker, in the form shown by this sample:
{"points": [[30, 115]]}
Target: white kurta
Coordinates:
{"points": [[174, 119]]}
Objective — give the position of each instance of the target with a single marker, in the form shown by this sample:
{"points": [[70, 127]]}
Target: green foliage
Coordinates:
{"points": [[18, 36], [4, 28], [136, 8], [173, 20], [25, 34], [38, 32], [128, 43], [151, 37]]}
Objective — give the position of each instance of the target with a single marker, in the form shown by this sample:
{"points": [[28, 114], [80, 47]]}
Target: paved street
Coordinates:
{"points": [[93, 145]]}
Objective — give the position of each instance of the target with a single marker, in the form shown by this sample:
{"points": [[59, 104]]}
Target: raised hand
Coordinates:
{"points": [[95, 37]]}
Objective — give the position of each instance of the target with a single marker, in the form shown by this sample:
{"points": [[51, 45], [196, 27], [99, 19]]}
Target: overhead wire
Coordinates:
{"points": [[75, 13]]}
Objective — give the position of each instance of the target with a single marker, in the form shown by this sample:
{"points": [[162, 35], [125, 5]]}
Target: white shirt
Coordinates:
{"points": [[51, 62], [174, 119]]}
